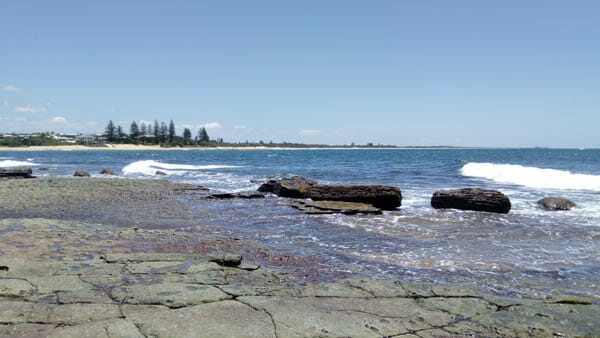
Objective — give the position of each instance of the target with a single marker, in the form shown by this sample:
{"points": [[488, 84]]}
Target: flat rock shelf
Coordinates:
{"points": [[75, 279]]}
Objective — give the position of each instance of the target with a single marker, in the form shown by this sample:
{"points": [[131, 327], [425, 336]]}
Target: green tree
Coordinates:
{"points": [[110, 131], [134, 131], [163, 132], [171, 131], [143, 131], [120, 133], [187, 135], [156, 131], [203, 135]]}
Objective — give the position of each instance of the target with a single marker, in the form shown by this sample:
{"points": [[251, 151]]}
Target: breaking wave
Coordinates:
{"points": [[11, 163], [531, 176], [149, 167]]}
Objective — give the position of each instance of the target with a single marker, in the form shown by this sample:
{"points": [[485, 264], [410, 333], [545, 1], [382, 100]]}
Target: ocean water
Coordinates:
{"points": [[528, 251]]}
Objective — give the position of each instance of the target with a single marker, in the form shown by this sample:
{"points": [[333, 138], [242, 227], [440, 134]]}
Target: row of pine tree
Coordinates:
{"points": [[157, 133]]}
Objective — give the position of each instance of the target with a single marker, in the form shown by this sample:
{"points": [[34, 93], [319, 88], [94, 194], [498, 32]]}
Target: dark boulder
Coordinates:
{"points": [[382, 197], [295, 187], [16, 173], [471, 199], [162, 173], [555, 203], [81, 173], [108, 172], [242, 195]]}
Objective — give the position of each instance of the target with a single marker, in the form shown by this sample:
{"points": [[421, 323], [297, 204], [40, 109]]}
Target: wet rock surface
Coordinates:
{"points": [[81, 173], [73, 279], [471, 199], [242, 195], [108, 172], [334, 207], [382, 197], [555, 203], [16, 173], [131, 202]]}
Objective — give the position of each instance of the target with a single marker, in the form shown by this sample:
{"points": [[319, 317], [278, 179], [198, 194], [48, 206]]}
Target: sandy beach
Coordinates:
{"points": [[140, 147]]}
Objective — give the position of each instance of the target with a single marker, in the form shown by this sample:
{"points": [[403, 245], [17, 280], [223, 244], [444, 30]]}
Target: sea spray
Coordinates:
{"points": [[532, 177], [149, 167], [11, 163]]}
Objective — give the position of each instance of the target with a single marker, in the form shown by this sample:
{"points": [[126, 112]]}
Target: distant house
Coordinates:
{"points": [[101, 138], [87, 138], [66, 138]]}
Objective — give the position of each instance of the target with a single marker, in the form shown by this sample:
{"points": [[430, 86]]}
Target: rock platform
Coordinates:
{"points": [[74, 279]]}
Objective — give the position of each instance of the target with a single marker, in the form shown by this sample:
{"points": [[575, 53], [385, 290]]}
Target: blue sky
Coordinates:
{"points": [[472, 73]]}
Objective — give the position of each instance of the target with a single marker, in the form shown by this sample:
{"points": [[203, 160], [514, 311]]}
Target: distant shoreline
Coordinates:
{"points": [[156, 148]]}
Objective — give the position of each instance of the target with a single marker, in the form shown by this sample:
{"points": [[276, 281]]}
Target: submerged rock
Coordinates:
{"points": [[108, 172], [555, 203], [81, 173], [379, 196], [335, 207], [471, 199], [16, 173], [162, 173], [243, 195]]}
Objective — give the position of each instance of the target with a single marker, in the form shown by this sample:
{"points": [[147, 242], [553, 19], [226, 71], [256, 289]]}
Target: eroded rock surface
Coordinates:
{"points": [[471, 199], [333, 207], [555, 203], [241, 195], [149, 294], [16, 173], [81, 173], [382, 197], [108, 172]]}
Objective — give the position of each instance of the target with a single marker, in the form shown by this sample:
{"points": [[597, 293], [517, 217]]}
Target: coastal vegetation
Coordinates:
{"points": [[166, 136], [159, 134], [39, 139]]}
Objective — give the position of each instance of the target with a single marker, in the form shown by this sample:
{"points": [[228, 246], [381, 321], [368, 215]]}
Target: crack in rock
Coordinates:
{"points": [[261, 310]]}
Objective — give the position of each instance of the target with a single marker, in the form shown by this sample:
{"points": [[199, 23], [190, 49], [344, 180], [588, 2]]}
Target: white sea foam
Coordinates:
{"points": [[532, 177], [11, 163], [149, 167]]}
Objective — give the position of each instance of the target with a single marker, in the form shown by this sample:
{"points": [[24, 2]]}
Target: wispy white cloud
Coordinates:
{"points": [[30, 108], [59, 119], [189, 126], [239, 127], [309, 131], [212, 125], [13, 89], [5, 104], [91, 123]]}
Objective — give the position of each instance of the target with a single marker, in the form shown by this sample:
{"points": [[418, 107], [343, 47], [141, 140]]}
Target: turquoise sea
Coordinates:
{"points": [[527, 251]]}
